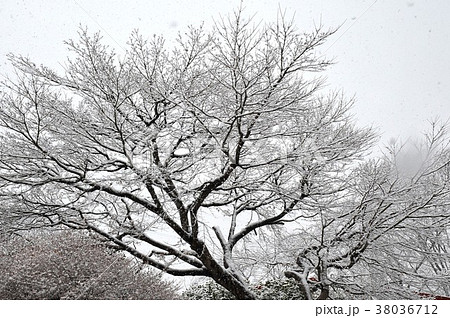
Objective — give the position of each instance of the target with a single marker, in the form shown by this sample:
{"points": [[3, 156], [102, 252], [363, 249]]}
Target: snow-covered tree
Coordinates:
{"points": [[183, 157], [386, 235]]}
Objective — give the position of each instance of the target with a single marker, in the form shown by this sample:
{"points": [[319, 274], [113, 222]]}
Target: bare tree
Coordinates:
{"points": [[387, 237], [177, 157]]}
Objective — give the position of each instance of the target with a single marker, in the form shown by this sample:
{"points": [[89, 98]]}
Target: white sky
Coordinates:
{"points": [[393, 55]]}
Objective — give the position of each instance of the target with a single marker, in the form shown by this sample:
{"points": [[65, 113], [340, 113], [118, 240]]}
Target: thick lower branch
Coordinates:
{"points": [[147, 260], [172, 251]]}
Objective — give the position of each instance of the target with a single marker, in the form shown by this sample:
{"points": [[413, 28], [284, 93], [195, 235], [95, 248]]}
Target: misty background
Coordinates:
{"points": [[391, 55]]}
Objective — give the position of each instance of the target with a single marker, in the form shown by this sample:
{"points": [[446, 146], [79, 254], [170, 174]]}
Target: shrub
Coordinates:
{"points": [[283, 289], [62, 265]]}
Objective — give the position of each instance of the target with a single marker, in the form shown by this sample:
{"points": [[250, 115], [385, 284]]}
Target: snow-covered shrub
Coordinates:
{"points": [[63, 265], [207, 291], [283, 289]]}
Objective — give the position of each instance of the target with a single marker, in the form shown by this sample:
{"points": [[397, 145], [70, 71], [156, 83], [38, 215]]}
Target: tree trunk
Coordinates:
{"points": [[324, 293], [233, 285], [222, 276]]}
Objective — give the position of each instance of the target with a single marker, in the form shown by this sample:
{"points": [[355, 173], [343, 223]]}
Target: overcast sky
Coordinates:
{"points": [[392, 55]]}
